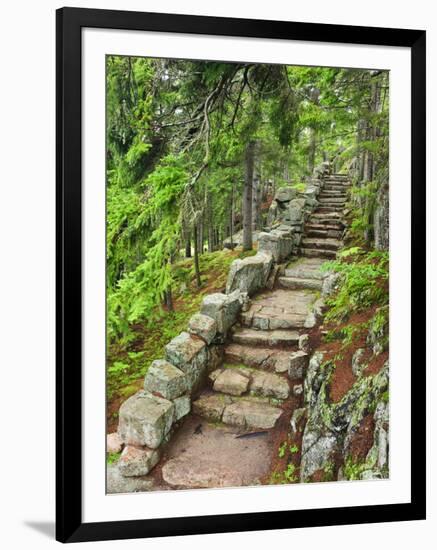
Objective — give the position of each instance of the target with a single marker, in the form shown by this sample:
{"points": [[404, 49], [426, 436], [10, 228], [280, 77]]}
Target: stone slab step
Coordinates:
{"points": [[341, 189], [326, 218], [279, 309], [332, 200], [332, 192], [342, 177], [327, 209], [323, 233], [247, 412], [272, 338], [317, 253], [296, 283], [304, 272], [335, 226], [326, 197], [257, 357], [325, 244], [237, 381], [265, 321]]}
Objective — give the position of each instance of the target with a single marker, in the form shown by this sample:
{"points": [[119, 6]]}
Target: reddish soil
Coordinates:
{"points": [[281, 434], [342, 377], [318, 476], [363, 439], [376, 364]]}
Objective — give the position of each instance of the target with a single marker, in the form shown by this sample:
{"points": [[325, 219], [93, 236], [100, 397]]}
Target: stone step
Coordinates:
{"points": [[269, 338], [317, 253], [261, 358], [325, 218], [279, 309], [324, 244], [343, 177], [326, 192], [332, 200], [342, 189], [304, 272], [263, 321], [324, 233], [339, 182], [335, 226], [296, 283], [246, 412], [239, 380], [326, 209]]}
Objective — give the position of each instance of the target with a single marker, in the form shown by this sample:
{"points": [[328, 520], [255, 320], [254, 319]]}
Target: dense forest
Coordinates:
{"points": [[195, 153]]}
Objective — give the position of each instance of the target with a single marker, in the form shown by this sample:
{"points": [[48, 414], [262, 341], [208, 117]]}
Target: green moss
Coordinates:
{"points": [[111, 458], [329, 471], [353, 470]]}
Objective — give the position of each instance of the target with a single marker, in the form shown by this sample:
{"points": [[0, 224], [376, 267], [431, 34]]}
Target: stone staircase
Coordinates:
{"points": [[266, 358], [324, 228]]}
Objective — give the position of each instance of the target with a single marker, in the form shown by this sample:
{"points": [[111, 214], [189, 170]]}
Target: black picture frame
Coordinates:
{"points": [[69, 525]]}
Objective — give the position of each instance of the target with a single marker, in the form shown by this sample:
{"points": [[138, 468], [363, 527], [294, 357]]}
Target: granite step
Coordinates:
{"points": [[333, 192], [324, 244], [318, 253], [332, 198], [266, 338], [326, 218], [279, 309], [335, 226], [326, 209], [241, 380], [323, 233], [246, 412], [310, 268], [261, 358], [297, 283]]}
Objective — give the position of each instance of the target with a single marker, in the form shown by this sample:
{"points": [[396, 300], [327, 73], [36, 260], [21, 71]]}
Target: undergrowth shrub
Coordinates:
{"points": [[364, 282]]}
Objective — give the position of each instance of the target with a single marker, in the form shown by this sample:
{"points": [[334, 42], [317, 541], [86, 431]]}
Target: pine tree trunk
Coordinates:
{"points": [[231, 219], [312, 151], [169, 299], [247, 196], [256, 200], [196, 256], [188, 246], [210, 225]]}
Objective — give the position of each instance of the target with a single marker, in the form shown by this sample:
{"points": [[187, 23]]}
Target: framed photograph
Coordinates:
{"points": [[240, 274]]}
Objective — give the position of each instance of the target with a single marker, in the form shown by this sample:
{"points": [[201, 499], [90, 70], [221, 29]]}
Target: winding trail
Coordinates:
{"points": [[230, 438]]}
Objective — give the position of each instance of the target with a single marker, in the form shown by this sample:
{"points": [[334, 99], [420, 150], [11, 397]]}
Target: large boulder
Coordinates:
{"points": [[203, 326], [137, 461], [278, 243], [249, 275], [114, 444], [182, 406], [318, 453], [145, 420], [189, 353], [117, 483], [285, 194], [298, 365], [164, 378], [223, 308]]}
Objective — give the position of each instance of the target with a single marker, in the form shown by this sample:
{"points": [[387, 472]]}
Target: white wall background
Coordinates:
{"points": [[27, 225]]}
